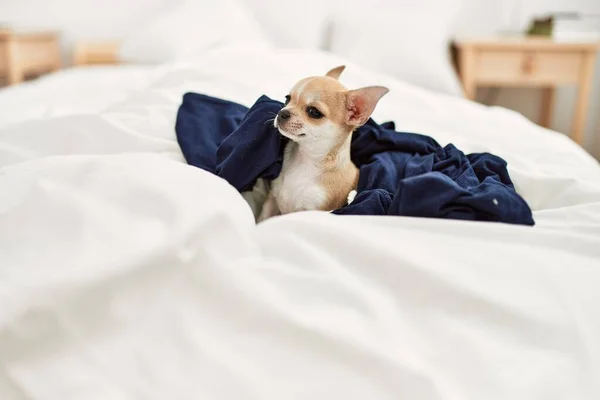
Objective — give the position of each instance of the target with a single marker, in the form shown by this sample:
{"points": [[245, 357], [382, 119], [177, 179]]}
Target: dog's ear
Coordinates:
{"points": [[336, 72], [360, 103]]}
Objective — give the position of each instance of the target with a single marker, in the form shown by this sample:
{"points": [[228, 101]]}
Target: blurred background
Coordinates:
{"points": [[368, 32]]}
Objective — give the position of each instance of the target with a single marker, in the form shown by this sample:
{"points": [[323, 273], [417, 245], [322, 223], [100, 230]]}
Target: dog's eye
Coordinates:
{"points": [[314, 113], [287, 99]]}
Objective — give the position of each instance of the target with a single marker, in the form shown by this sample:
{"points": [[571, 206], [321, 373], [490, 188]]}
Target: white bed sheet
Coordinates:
{"points": [[74, 90], [125, 273]]}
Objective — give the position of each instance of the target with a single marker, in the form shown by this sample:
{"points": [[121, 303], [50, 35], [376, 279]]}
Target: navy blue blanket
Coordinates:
{"points": [[400, 173]]}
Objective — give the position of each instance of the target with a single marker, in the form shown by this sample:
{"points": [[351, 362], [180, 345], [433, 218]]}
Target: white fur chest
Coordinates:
{"points": [[297, 187]]}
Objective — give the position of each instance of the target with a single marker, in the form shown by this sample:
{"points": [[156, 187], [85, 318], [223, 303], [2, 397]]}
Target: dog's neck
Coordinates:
{"points": [[322, 153]]}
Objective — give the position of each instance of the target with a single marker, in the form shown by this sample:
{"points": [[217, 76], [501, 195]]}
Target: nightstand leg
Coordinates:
{"points": [[547, 106], [15, 76], [583, 94], [57, 56], [15, 73], [470, 89], [466, 64]]}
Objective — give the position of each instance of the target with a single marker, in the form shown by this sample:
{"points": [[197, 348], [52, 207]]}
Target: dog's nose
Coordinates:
{"points": [[284, 114]]}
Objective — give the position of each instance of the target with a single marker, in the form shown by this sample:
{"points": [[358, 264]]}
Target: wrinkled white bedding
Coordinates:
{"points": [[74, 90], [127, 274]]}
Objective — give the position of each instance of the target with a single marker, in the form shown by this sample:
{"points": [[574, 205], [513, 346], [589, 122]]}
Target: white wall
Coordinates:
{"points": [[80, 19], [113, 19]]}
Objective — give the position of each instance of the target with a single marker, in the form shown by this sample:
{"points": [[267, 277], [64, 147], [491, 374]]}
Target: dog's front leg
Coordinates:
{"points": [[269, 209]]}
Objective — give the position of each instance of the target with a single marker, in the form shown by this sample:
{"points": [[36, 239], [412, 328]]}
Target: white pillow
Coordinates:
{"points": [[191, 28], [293, 24], [411, 45]]}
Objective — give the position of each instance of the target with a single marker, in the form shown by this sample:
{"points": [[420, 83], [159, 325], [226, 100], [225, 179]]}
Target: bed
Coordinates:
{"points": [[126, 273]]}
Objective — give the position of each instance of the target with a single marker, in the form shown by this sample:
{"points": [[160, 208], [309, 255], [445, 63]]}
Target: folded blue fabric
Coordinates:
{"points": [[400, 173]]}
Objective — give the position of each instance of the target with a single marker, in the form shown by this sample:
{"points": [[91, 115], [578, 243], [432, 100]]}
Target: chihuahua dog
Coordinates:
{"points": [[319, 117]]}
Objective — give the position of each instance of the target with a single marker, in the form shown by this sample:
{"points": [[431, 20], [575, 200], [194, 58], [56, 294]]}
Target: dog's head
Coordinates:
{"points": [[321, 108]]}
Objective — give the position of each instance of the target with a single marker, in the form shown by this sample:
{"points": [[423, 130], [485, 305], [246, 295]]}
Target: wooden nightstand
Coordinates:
{"points": [[530, 62], [96, 53], [23, 54]]}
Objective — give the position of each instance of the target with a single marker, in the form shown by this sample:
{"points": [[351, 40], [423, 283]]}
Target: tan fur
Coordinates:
{"points": [[320, 147], [338, 182]]}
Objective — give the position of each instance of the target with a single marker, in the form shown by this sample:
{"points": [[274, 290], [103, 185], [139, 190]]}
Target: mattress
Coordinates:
{"points": [[126, 273]]}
